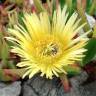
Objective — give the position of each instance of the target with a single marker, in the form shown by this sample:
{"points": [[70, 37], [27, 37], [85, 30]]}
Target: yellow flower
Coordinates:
{"points": [[47, 46]]}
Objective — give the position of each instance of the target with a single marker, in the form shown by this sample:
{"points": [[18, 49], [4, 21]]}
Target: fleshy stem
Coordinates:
{"points": [[65, 82]]}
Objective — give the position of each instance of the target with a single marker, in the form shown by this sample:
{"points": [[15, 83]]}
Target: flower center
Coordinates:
{"points": [[50, 50], [47, 50]]}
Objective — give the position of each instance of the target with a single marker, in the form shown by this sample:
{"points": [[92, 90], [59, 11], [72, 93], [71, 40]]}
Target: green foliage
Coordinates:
{"points": [[19, 2], [90, 8], [62, 2], [91, 51], [81, 12], [3, 76], [88, 5], [5, 61], [20, 19], [4, 50], [72, 70], [11, 74], [16, 17], [71, 5], [94, 32], [39, 6], [53, 6]]}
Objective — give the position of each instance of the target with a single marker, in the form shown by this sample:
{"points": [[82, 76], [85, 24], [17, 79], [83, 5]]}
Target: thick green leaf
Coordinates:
{"points": [[93, 8], [3, 77], [72, 70], [11, 64], [94, 31], [4, 53], [19, 72], [5, 50], [39, 6], [53, 6], [1, 35], [91, 51], [11, 74], [88, 5], [20, 19], [19, 2], [62, 2], [82, 15], [71, 4]]}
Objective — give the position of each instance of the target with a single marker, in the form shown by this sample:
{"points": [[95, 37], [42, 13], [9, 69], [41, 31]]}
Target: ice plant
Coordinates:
{"points": [[48, 45]]}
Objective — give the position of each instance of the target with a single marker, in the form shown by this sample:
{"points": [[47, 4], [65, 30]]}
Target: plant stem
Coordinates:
{"points": [[65, 82]]}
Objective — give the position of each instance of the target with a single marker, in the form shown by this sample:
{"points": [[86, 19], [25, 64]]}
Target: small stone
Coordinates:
{"points": [[39, 86], [10, 89], [79, 79], [91, 20]]}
